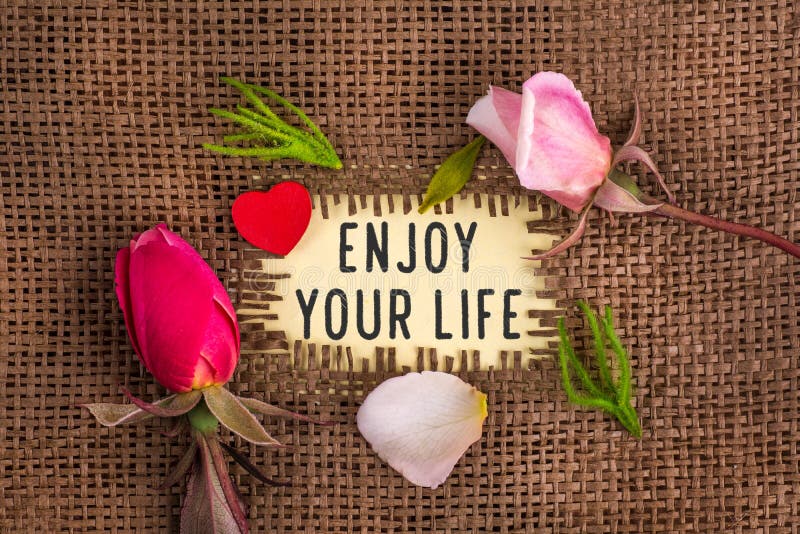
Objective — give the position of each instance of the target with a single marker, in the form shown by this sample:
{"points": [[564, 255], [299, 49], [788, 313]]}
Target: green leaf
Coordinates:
{"points": [[622, 356], [613, 397], [274, 135], [261, 152], [625, 182], [233, 415], [452, 175], [577, 366], [599, 346], [269, 136], [292, 108], [251, 96], [237, 138]]}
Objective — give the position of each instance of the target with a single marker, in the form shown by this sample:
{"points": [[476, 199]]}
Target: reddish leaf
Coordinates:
{"points": [[181, 468], [204, 508], [228, 489], [233, 415], [257, 406], [110, 414], [179, 405], [630, 152], [568, 241], [177, 429], [251, 468], [612, 197], [636, 127]]}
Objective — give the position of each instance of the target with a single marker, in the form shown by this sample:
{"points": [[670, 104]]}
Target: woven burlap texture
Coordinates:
{"points": [[103, 108]]}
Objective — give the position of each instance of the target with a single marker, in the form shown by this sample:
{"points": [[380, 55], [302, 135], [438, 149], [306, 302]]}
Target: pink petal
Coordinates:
{"points": [[508, 105], [559, 150], [172, 302], [185, 327], [497, 117], [153, 235], [162, 234], [122, 283], [422, 423], [220, 350], [224, 306], [204, 373]]}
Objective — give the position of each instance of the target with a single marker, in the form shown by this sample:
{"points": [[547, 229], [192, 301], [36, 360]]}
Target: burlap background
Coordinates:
{"points": [[102, 113]]}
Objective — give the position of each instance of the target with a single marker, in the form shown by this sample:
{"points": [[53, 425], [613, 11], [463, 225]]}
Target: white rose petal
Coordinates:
{"points": [[422, 423]]}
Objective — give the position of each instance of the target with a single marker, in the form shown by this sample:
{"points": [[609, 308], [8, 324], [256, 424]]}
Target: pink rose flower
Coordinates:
{"points": [[178, 315], [548, 136]]}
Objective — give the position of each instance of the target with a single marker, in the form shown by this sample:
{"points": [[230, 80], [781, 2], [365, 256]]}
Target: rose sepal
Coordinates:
{"points": [[113, 414], [212, 504]]}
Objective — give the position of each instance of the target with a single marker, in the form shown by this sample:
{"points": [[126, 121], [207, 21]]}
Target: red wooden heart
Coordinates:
{"points": [[274, 220]]}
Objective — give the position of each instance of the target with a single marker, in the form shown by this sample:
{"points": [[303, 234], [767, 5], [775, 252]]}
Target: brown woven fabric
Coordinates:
{"points": [[102, 113]]}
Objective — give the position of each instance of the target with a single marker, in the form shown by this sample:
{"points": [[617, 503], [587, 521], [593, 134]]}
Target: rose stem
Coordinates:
{"points": [[674, 212]]}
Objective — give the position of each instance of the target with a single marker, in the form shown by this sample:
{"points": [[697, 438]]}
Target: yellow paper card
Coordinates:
{"points": [[450, 281]]}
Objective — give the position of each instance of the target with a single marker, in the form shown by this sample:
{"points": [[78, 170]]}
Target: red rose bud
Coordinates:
{"points": [[179, 317]]}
